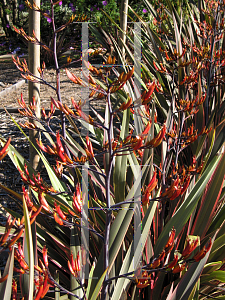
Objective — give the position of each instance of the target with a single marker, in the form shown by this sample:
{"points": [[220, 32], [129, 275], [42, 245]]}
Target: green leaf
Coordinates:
{"points": [[119, 174], [210, 199], [183, 213], [29, 247], [215, 275], [132, 259], [190, 278], [98, 286], [6, 286]]}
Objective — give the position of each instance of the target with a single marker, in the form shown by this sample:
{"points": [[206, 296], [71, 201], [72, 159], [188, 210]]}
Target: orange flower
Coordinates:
{"points": [[77, 201], [57, 219], [89, 149], [45, 256], [179, 268], [190, 247], [3, 151], [201, 254], [173, 263], [170, 242], [59, 212]]}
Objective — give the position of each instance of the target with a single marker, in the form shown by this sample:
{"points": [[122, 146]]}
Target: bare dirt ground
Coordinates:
{"points": [[10, 75]]}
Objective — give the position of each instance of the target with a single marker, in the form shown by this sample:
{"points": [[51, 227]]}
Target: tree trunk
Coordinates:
{"points": [[15, 12], [123, 26], [5, 19], [34, 88]]}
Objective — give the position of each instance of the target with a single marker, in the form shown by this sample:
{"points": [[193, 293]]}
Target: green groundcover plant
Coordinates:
{"points": [[135, 204]]}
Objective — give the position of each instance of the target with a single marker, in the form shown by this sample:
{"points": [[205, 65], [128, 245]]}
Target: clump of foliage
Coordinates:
{"points": [[136, 201]]}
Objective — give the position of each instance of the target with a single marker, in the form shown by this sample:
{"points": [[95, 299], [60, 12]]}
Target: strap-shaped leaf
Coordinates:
{"points": [[6, 286], [183, 213]]}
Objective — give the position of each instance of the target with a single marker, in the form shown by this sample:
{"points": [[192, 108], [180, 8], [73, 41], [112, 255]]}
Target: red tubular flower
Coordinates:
{"points": [[20, 250], [147, 128], [2, 279], [21, 271], [89, 147], [4, 237], [45, 256], [137, 143], [190, 247], [14, 290], [40, 292], [72, 262], [33, 217], [37, 268], [15, 238], [41, 146], [152, 184], [43, 201], [57, 219], [71, 269], [143, 281], [22, 262], [3, 151], [158, 139], [176, 193], [77, 263], [170, 191], [45, 285], [151, 88], [59, 212], [45, 290], [170, 242], [179, 268], [201, 254], [173, 263], [27, 198], [77, 201], [124, 105], [185, 185]]}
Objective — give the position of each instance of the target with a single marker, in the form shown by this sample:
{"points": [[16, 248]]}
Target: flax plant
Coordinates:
{"points": [[154, 161]]}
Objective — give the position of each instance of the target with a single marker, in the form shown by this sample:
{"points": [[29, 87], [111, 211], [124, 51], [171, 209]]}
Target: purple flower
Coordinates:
{"points": [[60, 2], [144, 11], [7, 25], [21, 7], [97, 8], [71, 5], [49, 20], [91, 9], [104, 3]]}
